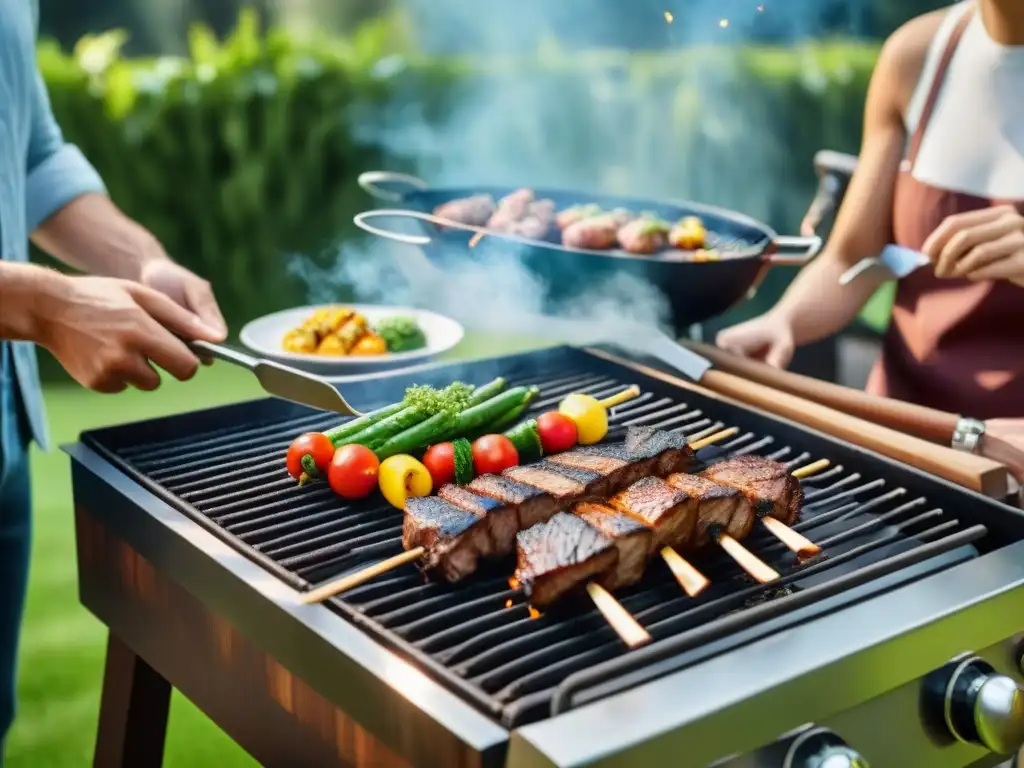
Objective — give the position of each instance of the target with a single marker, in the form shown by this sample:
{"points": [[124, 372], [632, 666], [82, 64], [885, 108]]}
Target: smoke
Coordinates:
{"points": [[493, 295], [640, 124]]}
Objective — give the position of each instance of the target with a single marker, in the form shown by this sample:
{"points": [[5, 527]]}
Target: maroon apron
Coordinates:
{"points": [[953, 344]]}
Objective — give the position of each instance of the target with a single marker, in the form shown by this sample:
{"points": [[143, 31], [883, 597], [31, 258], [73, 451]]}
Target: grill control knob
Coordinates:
{"points": [[980, 706], [821, 748]]}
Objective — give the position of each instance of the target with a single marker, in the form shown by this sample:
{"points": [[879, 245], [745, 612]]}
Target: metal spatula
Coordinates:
{"points": [[280, 380], [899, 261]]}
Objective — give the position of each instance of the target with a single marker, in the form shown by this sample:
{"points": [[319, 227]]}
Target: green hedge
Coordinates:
{"points": [[242, 153]]}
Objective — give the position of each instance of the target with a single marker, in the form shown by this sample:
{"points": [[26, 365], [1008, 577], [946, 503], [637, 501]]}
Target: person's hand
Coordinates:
{"points": [[1004, 442], [987, 244], [109, 333], [186, 288], [768, 338]]}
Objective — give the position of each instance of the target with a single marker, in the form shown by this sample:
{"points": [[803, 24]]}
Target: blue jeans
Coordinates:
{"points": [[15, 535]]}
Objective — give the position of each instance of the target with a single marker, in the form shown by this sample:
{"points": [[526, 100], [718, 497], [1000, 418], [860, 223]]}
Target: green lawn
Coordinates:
{"points": [[62, 644]]}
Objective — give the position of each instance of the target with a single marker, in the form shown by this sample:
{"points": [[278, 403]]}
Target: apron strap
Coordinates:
{"points": [[936, 84]]}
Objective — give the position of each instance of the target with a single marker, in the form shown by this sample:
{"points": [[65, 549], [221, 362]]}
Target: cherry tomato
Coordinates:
{"points": [[314, 444], [440, 462], [353, 471], [557, 432], [493, 453]]}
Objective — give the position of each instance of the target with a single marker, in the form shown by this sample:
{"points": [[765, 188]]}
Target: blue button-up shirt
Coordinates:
{"points": [[40, 173]]}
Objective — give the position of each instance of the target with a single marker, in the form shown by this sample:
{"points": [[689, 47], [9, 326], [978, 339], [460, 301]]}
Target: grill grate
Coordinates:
{"points": [[880, 524]]}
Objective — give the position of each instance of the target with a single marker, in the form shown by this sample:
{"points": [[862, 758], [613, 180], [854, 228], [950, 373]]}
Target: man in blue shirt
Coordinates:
{"points": [[107, 330]]}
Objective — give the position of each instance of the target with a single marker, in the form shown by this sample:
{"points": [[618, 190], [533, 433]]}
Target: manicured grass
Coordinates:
{"points": [[62, 643]]}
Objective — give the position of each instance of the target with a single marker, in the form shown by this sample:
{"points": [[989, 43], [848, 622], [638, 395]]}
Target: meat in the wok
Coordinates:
{"points": [[644, 235], [536, 222], [511, 209], [475, 211], [576, 213], [597, 233]]}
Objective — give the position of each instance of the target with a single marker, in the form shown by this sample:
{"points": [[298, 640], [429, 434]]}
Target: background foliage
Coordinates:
{"points": [[244, 152]]}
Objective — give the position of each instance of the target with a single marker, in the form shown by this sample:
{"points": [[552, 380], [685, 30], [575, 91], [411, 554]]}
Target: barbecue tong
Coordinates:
{"points": [[899, 261], [281, 380]]}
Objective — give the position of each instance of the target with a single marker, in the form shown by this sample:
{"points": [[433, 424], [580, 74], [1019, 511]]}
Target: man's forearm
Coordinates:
{"points": [[93, 235], [816, 306]]}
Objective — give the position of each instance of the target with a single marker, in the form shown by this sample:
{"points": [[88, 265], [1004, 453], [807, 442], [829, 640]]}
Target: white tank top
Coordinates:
{"points": [[974, 142]]}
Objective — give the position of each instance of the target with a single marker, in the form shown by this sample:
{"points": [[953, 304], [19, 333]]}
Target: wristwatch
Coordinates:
{"points": [[968, 435]]}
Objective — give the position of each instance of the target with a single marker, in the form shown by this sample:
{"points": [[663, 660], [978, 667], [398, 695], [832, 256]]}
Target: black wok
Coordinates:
{"points": [[696, 290]]}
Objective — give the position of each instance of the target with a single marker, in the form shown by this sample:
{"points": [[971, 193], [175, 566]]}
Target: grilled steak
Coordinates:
{"points": [[487, 514], [556, 557], [558, 485], [453, 538], [533, 504], [502, 519], [715, 505], [768, 485], [671, 514], [645, 452], [632, 539], [672, 448], [596, 485]]}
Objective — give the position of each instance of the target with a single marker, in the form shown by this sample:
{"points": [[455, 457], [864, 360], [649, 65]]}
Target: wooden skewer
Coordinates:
{"points": [[476, 238], [345, 583], [715, 438], [690, 579], [619, 618], [747, 560], [811, 469], [796, 542], [620, 397]]}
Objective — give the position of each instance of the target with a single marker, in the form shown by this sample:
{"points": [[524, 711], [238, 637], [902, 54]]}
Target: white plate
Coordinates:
{"points": [[265, 334]]}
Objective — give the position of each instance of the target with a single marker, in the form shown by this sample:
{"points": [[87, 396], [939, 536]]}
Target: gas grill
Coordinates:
{"points": [[193, 543]]}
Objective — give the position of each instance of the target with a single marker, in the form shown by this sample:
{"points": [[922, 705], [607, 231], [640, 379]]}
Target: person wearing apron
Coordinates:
{"points": [[108, 331], [941, 170]]}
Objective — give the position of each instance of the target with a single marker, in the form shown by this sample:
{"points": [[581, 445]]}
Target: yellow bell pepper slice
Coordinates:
{"points": [[402, 476]]}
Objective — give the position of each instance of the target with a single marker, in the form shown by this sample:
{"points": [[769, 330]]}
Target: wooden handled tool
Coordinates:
{"points": [[917, 420], [974, 472]]}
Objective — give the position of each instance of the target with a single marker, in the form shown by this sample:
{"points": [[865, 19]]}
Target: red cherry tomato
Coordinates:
{"points": [[493, 453], [353, 471], [557, 432], [313, 444], [440, 462]]}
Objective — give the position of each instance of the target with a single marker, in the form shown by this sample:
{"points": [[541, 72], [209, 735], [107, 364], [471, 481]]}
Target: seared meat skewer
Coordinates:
{"points": [[495, 507], [685, 512], [555, 556], [767, 485], [772, 492], [633, 541]]}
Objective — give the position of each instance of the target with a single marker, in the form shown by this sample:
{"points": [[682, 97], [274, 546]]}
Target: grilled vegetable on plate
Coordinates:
{"points": [[351, 339]]}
